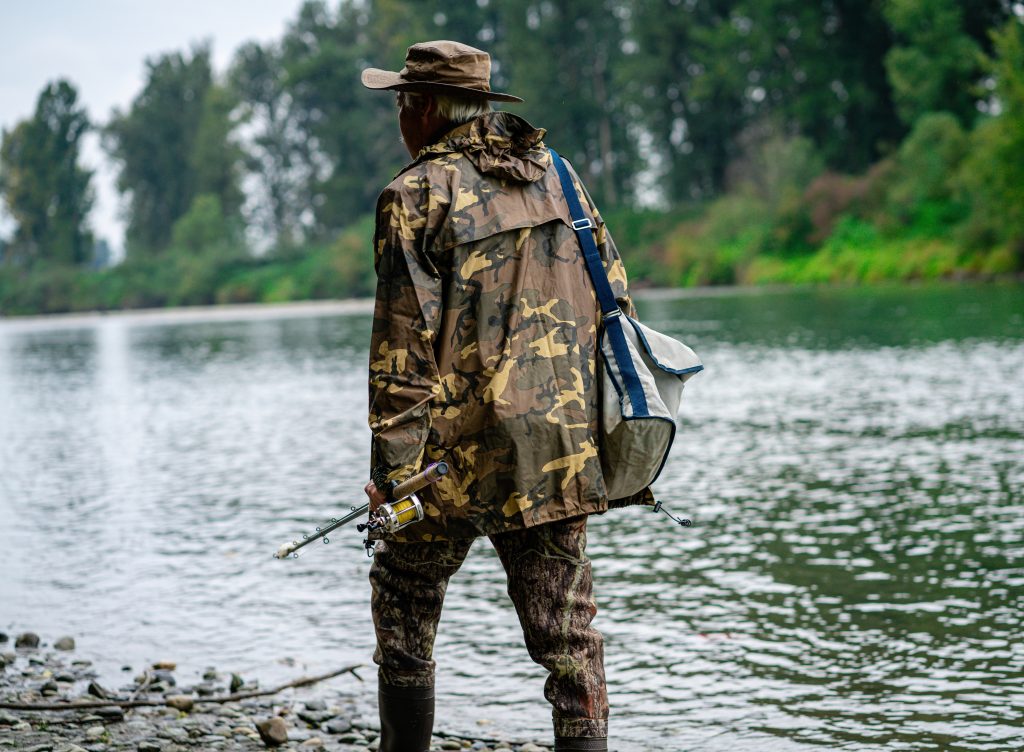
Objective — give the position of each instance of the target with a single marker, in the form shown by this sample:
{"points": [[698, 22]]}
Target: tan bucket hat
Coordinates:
{"points": [[443, 67]]}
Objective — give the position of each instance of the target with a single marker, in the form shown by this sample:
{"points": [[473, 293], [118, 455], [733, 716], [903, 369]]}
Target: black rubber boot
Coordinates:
{"points": [[406, 718], [581, 744]]}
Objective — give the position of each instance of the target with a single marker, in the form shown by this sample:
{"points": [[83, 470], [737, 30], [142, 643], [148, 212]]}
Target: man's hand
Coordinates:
{"points": [[376, 496]]}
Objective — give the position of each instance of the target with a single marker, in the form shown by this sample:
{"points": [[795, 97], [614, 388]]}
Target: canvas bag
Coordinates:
{"points": [[641, 374]]}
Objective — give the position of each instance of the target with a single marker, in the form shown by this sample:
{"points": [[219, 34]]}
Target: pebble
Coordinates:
{"points": [[451, 744], [531, 747], [315, 741], [315, 704], [339, 726], [237, 682], [273, 731], [27, 640], [149, 745], [96, 690], [175, 734], [3, 637], [111, 713], [184, 703], [65, 676], [65, 643], [315, 717], [95, 732]]}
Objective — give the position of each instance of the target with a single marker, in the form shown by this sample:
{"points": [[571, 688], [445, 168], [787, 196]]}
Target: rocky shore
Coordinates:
{"points": [[181, 718]]}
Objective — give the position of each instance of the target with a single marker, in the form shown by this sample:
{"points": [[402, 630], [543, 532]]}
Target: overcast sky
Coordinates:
{"points": [[100, 45]]}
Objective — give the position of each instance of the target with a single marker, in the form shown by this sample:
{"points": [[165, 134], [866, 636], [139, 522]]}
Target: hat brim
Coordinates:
{"points": [[375, 78]]}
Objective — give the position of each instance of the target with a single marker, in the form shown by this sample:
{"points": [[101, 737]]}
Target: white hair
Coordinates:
{"points": [[453, 109]]}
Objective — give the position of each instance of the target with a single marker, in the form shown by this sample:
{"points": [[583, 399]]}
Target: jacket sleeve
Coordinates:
{"points": [[403, 377]]}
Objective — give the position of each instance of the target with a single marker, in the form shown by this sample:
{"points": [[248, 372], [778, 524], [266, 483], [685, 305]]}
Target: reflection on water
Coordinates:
{"points": [[852, 462]]}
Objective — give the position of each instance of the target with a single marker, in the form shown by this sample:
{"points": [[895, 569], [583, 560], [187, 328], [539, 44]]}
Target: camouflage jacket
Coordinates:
{"points": [[484, 334]]}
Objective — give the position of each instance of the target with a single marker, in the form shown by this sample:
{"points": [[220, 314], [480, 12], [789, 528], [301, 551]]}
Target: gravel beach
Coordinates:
{"points": [[182, 719]]}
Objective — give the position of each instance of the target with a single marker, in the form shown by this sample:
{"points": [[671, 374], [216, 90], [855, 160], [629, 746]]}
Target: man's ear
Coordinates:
{"points": [[429, 105]]}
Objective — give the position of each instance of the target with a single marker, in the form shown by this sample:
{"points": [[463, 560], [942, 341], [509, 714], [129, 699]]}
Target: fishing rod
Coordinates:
{"points": [[390, 517]]}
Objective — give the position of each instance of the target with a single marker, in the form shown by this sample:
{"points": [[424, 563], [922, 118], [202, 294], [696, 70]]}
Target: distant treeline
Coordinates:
{"points": [[727, 142]]}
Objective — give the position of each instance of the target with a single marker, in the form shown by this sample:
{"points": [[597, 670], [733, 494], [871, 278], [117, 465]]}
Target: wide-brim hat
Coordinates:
{"points": [[441, 67]]}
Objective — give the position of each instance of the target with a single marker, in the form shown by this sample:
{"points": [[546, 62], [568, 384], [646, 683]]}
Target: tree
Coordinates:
{"points": [[934, 63], [280, 164], [993, 172], [560, 56], [172, 145], [46, 191]]}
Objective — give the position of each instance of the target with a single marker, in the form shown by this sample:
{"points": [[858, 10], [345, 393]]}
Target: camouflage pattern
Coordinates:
{"points": [[550, 584], [484, 335]]}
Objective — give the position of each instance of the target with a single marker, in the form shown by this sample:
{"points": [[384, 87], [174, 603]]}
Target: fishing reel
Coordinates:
{"points": [[391, 517]]}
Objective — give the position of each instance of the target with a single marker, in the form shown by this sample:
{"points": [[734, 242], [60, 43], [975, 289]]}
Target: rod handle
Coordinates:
{"points": [[432, 474]]}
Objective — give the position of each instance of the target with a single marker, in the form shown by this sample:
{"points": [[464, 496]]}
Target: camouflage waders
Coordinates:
{"points": [[550, 584]]}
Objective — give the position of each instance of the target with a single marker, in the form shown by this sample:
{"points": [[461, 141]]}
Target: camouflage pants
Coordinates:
{"points": [[549, 582]]}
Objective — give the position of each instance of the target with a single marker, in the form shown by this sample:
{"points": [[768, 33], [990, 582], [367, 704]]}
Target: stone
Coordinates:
{"points": [[164, 676], [65, 676], [6, 719], [339, 725], [165, 666], [3, 637], [531, 747], [150, 745], [65, 643], [315, 704], [44, 747], [352, 738], [97, 691], [49, 688], [210, 674], [71, 748], [205, 690], [314, 717], [175, 734], [27, 640], [451, 744], [95, 732], [273, 731], [313, 743], [111, 713], [237, 682], [184, 703]]}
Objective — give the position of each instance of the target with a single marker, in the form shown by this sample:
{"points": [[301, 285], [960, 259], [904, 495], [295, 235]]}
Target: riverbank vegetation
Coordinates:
{"points": [[735, 143]]}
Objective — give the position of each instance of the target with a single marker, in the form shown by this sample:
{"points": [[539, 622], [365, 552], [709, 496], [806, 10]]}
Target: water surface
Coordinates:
{"points": [[851, 460]]}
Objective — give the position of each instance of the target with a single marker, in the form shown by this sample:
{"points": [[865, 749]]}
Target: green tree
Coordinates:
{"points": [[172, 145], [354, 131], [934, 63], [560, 56], [47, 192], [280, 160], [993, 172]]}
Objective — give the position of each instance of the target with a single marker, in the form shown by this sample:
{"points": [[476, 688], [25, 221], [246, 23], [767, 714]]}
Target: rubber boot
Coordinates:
{"points": [[406, 718], [581, 744]]}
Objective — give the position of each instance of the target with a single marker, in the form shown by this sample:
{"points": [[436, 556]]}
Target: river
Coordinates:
{"points": [[852, 461]]}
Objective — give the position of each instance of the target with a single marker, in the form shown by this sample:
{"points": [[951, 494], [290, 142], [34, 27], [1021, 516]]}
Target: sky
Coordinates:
{"points": [[101, 46]]}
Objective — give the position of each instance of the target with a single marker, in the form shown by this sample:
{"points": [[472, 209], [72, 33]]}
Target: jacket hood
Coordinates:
{"points": [[500, 145]]}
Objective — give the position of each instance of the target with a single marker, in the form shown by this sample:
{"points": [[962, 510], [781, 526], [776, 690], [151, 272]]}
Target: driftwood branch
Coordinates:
{"points": [[92, 704]]}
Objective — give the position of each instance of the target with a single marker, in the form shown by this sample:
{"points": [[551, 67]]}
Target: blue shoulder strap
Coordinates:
{"points": [[611, 314], [583, 227]]}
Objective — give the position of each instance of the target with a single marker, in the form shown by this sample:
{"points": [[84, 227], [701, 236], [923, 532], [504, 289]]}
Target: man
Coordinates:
{"points": [[483, 354]]}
